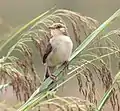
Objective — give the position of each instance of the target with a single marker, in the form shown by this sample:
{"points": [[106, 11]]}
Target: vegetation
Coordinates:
{"points": [[95, 49]]}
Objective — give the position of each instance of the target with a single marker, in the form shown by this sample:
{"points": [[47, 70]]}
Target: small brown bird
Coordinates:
{"points": [[58, 50]]}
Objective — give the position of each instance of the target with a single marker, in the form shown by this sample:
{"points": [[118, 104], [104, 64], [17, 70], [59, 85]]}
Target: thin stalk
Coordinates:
{"points": [[105, 98], [25, 27], [107, 94]]}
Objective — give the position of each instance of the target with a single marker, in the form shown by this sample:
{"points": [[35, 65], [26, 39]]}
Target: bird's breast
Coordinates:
{"points": [[62, 49]]}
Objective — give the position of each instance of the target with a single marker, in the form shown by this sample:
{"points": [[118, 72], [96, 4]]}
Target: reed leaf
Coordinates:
{"points": [[3, 86]]}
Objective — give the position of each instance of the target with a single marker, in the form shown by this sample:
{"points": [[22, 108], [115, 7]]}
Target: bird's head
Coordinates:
{"points": [[58, 29]]}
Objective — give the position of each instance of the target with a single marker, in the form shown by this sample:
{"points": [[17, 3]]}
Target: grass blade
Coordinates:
{"points": [[16, 36]]}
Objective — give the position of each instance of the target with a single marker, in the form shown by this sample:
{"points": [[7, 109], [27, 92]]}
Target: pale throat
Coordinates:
{"points": [[56, 32]]}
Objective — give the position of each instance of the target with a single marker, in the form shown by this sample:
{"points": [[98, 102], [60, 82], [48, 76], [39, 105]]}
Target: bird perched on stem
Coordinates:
{"points": [[58, 50]]}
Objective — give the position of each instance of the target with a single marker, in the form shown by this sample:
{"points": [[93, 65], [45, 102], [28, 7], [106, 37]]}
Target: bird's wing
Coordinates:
{"points": [[47, 52]]}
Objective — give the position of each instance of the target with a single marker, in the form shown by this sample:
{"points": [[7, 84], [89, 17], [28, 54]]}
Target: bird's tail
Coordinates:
{"points": [[47, 75]]}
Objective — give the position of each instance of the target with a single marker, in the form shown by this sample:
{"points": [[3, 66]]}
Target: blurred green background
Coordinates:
{"points": [[15, 13], [18, 12]]}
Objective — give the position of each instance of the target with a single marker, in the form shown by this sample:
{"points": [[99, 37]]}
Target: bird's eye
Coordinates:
{"points": [[58, 26]]}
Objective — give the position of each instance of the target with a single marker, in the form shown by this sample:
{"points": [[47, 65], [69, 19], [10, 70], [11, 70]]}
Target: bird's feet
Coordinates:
{"points": [[65, 64], [53, 77]]}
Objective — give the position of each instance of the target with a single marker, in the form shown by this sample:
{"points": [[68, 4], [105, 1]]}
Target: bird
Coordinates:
{"points": [[58, 50]]}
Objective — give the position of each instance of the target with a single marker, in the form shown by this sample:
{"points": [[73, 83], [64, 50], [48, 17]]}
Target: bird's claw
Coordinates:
{"points": [[65, 63], [53, 77]]}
